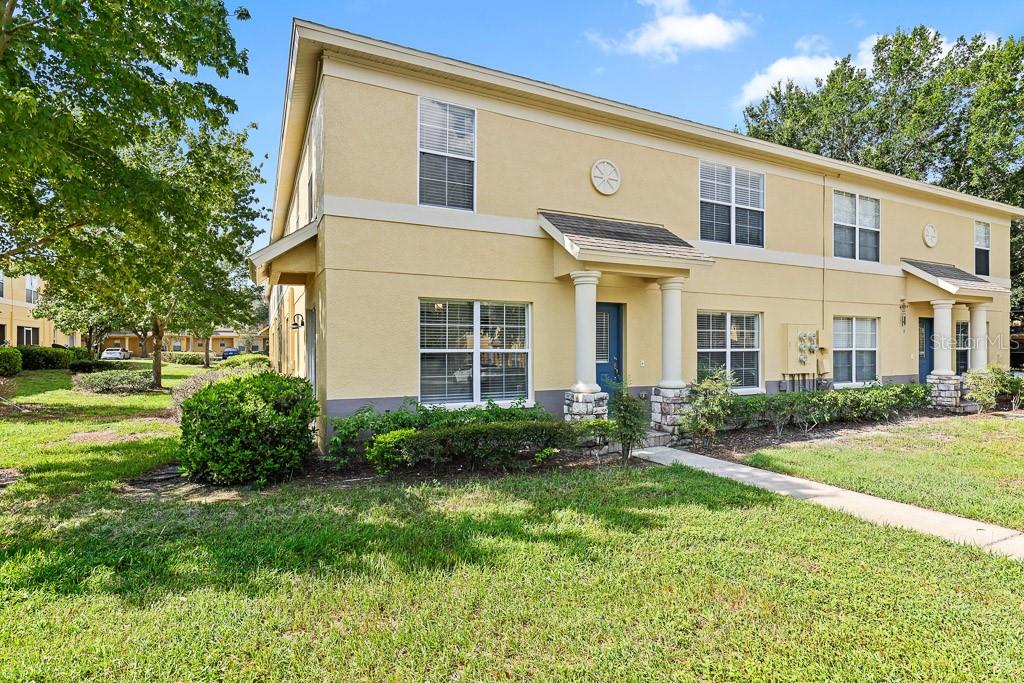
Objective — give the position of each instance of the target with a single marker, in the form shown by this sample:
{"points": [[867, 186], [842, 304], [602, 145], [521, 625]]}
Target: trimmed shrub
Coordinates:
{"points": [[184, 357], [44, 358], [595, 433], [188, 387], [10, 362], [254, 427], [387, 453], [994, 384], [243, 360], [353, 432], [810, 409], [79, 353], [490, 444], [86, 366], [710, 400], [114, 382], [7, 387], [632, 416]]}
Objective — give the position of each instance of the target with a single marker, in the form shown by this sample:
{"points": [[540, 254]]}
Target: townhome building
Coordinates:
{"points": [[221, 339], [18, 296], [454, 234]]}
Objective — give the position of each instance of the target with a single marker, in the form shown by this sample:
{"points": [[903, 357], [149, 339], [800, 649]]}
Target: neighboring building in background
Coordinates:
{"points": [[18, 296], [222, 338], [454, 234]]}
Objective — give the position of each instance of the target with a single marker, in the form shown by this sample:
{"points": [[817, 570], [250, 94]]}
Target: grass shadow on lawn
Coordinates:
{"points": [[142, 552]]}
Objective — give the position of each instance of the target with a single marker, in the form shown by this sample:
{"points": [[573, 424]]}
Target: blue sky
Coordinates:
{"points": [[697, 59]]}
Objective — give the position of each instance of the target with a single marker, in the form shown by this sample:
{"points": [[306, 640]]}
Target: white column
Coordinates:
{"points": [[979, 336], [671, 333], [942, 311], [586, 330]]}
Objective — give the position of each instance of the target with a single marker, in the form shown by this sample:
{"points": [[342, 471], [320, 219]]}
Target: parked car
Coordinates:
{"points": [[227, 353], [115, 353]]}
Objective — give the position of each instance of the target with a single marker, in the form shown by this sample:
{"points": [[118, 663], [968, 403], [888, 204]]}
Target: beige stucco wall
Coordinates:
{"points": [[372, 270], [14, 312]]}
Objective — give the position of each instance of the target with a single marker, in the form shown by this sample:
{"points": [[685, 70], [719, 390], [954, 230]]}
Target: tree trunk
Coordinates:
{"points": [[158, 356], [143, 338], [206, 354]]}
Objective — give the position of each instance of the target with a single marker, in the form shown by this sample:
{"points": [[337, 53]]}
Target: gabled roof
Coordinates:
{"points": [[950, 278], [310, 41], [260, 258], [590, 238]]}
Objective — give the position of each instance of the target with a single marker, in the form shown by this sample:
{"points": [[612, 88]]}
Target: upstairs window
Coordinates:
{"points": [[982, 247], [731, 205], [1, 288], [856, 226], [32, 285], [447, 147]]}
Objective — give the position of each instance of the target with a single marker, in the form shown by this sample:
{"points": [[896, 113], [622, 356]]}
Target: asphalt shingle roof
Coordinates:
{"points": [[623, 237], [956, 277]]}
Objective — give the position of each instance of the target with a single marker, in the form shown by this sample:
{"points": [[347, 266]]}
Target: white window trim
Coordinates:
{"points": [[528, 400], [856, 383], [857, 227], [420, 149], [729, 350], [988, 231], [733, 205]]}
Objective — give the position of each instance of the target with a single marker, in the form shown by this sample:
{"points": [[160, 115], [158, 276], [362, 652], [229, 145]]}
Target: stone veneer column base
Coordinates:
{"points": [[585, 406], [947, 393], [668, 406]]}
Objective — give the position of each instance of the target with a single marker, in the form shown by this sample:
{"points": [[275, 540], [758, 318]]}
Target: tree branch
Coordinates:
{"points": [[8, 33]]}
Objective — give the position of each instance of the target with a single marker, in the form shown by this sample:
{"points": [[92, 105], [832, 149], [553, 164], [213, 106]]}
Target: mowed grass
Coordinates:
{"points": [[639, 574], [968, 466]]}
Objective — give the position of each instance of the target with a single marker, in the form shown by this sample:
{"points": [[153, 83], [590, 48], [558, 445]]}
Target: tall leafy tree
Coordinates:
{"points": [[193, 273], [80, 82], [952, 115]]}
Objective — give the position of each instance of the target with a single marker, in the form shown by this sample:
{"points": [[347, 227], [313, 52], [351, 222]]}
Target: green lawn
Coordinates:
{"points": [[610, 574], [972, 467]]}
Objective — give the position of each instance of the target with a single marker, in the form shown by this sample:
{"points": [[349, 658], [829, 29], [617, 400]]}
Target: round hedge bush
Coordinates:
{"points": [[184, 357], [114, 382], [248, 428], [10, 362], [245, 360]]}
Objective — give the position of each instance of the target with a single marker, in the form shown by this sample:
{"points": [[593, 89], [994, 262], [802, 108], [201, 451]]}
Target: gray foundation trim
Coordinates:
{"points": [[342, 407]]}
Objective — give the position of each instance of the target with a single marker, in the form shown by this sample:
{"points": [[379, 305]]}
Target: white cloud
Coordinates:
{"points": [[675, 28], [812, 44], [865, 58], [801, 69]]}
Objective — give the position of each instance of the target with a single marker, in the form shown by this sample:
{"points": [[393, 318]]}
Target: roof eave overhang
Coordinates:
{"points": [[260, 259], [948, 286]]}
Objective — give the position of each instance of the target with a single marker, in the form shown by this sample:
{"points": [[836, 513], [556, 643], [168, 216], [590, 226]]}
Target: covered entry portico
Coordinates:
{"points": [[943, 287], [593, 247]]}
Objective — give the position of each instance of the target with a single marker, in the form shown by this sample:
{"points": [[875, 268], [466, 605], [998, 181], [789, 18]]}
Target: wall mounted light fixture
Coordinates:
{"points": [[298, 321]]}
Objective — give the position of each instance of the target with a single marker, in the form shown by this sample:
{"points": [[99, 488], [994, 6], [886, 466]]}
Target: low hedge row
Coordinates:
{"points": [[184, 357], [87, 366], [809, 409], [245, 360], [253, 427], [355, 431], [10, 362], [503, 445], [44, 358], [114, 382]]}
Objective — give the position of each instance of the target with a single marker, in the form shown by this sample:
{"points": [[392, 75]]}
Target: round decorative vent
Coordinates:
{"points": [[930, 235], [605, 176]]}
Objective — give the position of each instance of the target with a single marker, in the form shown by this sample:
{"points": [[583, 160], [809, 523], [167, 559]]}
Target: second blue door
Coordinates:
{"points": [[925, 348], [609, 345]]}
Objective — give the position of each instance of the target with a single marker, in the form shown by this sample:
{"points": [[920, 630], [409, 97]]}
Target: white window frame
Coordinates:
{"points": [[476, 351], [420, 149], [32, 284], [988, 240], [728, 349], [857, 227], [2, 281], [855, 382], [733, 205], [966, 340]]}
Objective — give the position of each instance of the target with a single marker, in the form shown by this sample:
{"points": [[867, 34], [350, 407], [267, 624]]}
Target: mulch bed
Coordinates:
{"points": [[9, 475], [736, 444], [166, 483]]}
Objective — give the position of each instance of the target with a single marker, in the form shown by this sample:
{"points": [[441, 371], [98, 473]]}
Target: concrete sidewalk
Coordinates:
{"points": [[995, 539]]}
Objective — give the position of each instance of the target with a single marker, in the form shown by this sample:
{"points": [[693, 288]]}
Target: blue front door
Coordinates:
{"points": [[925, 348], [609, 345]]}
